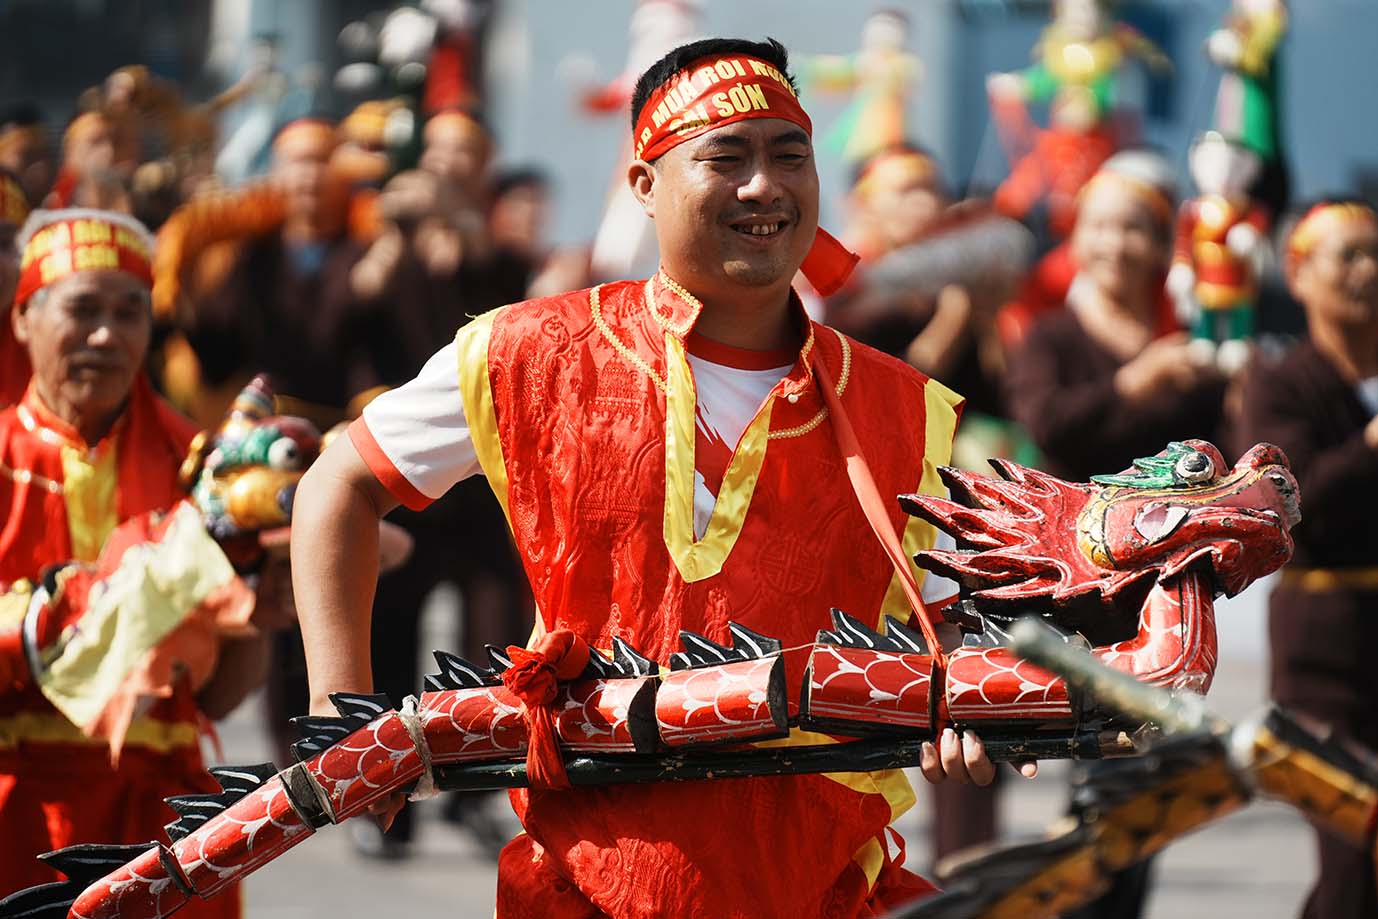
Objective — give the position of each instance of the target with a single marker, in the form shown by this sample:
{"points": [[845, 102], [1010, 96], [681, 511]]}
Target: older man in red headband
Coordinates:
{"points": [[667, 457], [1319, 402], [87, 447]]}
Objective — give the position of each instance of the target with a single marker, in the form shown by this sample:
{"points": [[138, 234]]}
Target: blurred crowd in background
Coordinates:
{"points": [[1093, 303]]}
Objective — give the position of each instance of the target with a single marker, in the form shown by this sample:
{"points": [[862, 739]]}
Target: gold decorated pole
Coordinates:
{"points": [[1281, 755], [1195, 771]]}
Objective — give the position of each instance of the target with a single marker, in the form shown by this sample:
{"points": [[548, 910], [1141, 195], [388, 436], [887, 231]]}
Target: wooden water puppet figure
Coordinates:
{"points": [[1077, 62], [243, 475], [880, 76], [1246, 47], [1221, 237], [1196, 769]]}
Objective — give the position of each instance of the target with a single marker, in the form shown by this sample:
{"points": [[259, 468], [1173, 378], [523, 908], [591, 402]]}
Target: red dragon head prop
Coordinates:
{"points": [[1166, 514]]}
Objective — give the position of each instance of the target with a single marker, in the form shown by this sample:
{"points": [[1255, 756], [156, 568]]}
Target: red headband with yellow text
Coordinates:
{"points": [[81, 241], [710, 93], [722, 90], [1323, 219]]}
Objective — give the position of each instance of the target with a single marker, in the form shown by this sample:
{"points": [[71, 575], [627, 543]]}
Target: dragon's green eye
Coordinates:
{"points": [[1194, 468]]}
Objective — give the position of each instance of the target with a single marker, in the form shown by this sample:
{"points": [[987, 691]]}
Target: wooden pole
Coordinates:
{"points": [[870, 755]]}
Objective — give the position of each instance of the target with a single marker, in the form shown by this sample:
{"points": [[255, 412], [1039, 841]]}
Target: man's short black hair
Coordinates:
{"points": [[659, 73]]}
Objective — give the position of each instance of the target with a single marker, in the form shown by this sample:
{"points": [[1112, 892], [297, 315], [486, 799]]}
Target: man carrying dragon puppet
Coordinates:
{"points": [[675, 453], [605, 422]]}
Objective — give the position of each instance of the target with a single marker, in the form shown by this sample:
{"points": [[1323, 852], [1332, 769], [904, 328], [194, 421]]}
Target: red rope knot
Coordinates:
{"points": [[534, 679]]}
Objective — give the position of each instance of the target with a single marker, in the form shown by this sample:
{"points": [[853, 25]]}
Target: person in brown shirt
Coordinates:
{"points": [[1320, 404], [436, 268], [285, 306], [1109, 378], [914, 298]]}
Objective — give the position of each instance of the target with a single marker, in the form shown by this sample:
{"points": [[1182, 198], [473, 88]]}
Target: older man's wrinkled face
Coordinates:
{"points": [[736, 206], [1119, 243], [87, 334], [1337, 281]]}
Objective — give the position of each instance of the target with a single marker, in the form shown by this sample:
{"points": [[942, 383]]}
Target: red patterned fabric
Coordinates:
{"points": [[582, 430], [152, 440]]}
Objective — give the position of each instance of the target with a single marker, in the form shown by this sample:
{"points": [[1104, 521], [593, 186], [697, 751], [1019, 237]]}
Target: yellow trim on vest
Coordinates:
{"points": [[50, 727], [88, 490], [918, 536], [699, 559], [870, 858], [889, 783], [476, 391], [601, 324], [940, 406]]}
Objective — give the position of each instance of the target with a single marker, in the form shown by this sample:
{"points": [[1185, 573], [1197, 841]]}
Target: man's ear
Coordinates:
{"points": [[19, 322], [641, 177], [1292, 270]]}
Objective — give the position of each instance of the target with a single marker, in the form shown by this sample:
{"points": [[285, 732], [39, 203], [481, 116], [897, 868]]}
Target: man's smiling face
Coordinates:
{"points": [[736, 207]]}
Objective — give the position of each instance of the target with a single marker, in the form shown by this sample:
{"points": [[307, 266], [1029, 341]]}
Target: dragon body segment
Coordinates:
{"points": [[1128, 566]]}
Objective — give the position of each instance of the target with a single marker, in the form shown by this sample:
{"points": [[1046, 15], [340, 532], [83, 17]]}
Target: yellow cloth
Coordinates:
{"points": [[155, 588]]}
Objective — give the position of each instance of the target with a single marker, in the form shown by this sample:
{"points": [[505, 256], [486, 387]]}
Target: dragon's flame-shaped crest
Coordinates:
{"points": [[1151, 522]]}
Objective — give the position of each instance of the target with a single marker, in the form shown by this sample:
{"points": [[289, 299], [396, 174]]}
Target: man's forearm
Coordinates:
{"points": [[335, 570], [241, 668]]}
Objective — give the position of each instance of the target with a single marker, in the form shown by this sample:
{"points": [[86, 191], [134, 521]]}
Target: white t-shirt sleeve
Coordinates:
{"points": [[415, 438]]}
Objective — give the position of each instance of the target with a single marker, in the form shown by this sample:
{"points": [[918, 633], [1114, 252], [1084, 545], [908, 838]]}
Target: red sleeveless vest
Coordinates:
{"points": [[581, 408]]}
